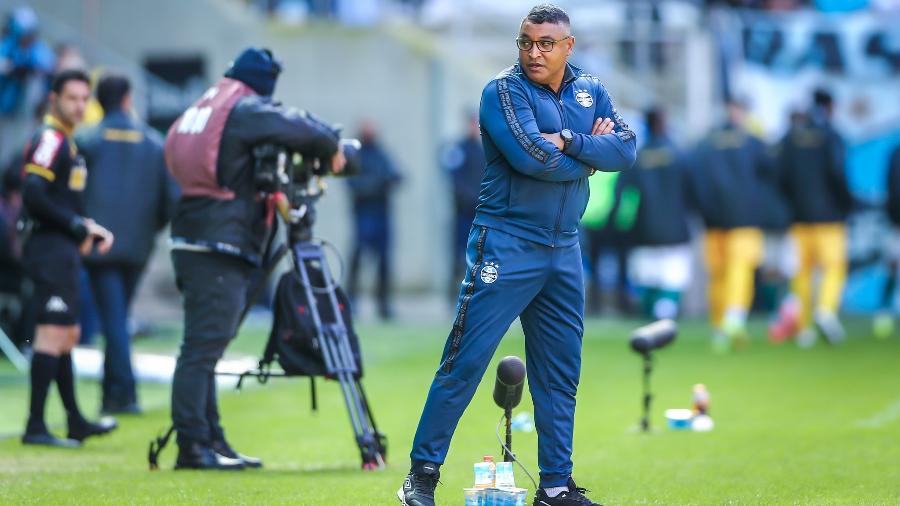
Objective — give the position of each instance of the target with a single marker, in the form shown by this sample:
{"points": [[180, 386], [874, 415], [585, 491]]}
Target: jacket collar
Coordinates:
{"points": [[118, 117], [52, 121], [571, 73]]}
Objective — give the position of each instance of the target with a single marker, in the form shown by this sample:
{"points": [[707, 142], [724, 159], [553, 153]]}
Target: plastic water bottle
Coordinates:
{"points": [[701, 421], [506, 479], [701, 399], [486, 473]]}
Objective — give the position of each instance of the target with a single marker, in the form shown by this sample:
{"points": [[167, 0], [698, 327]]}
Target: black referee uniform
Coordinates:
{"points": [[54, 178]]}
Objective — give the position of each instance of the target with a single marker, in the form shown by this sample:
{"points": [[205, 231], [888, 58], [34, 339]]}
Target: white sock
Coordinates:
{"points": [[555, 491]]}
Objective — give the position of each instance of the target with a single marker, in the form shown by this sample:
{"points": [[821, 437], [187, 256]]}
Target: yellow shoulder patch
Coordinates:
{"points": [[120, 135], [44, 172]]}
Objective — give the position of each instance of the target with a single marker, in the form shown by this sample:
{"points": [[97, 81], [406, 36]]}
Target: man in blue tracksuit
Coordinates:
{"points": [[546, 127]]}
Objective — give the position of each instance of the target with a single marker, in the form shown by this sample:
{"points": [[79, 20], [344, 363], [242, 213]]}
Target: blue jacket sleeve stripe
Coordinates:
{"points": [[512, 121], [508, 120]]}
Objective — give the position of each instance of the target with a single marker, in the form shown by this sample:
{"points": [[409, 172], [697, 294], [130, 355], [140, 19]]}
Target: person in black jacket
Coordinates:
{"points": [[725, 187], [219, 230], [371, 191], [660, 263], [811, 159], [55, 177], [130, 191], [463, 161], [780, 260]]}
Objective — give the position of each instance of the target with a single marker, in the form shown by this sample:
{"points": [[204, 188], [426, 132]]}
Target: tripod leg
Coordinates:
{"points": [[338, 355]]}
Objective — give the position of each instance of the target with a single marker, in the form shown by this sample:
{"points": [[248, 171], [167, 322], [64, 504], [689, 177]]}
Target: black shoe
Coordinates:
{"points": [[125, 408], [47, 439], [223, 449], [418, 488], [201, 456], [573, 497], [79, 430]]}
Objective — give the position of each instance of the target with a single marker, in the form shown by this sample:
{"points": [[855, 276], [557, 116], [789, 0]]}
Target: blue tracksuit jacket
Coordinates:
{"points": [[530, 188]]}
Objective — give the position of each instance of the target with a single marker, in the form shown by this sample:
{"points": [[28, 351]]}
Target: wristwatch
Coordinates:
{"points": [[567, 137]]}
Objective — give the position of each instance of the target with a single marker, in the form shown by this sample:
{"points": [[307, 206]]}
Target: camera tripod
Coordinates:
{"points": [[332, 336]]}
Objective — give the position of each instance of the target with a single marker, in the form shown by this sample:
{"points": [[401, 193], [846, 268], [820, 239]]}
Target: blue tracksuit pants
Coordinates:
{"points": [[509, 277]]}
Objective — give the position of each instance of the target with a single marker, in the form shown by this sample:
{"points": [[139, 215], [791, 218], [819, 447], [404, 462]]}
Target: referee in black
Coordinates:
{"points": [[54, 178]]}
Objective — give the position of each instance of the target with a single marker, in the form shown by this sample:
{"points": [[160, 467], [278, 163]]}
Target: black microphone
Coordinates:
{"points": [[510, 380], [653, 336]]}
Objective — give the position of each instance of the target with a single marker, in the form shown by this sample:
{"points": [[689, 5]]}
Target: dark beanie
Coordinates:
{"points": [[256, 68]]}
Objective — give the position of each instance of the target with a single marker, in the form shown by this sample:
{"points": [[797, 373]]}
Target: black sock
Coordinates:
{"points": [[65, 382], [43, 371]]}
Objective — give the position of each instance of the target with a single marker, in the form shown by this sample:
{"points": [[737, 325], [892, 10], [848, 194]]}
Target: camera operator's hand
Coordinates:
{"points": [[338, 161], [96, 235]]}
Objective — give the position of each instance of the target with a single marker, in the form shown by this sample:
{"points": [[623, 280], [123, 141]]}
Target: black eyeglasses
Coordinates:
{"points": [[544, 45]]}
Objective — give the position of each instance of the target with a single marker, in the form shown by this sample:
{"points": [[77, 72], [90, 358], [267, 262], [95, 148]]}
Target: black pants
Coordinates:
{"points": [[214, 287], [113, 287], [373, 236]]}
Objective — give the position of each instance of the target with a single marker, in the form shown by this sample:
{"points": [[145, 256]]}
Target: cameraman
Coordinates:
{"points": [[219, 230]]}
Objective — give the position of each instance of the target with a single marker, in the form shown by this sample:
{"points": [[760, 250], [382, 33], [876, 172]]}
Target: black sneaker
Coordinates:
{"points": [[225, 450], [80, 430], [572, 497], [201, 456], [418, 488]]}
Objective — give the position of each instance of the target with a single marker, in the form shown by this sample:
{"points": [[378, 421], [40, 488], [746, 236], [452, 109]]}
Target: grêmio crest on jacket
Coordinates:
{"points": [[584, 98]]}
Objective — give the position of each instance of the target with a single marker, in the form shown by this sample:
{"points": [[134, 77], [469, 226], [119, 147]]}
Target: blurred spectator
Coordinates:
{"points": [[371, 191], [26, 64], [660, 263], [18, 313], [464, 163], [68, 56], [779, 263], [130, 192], [884, 320], [605, 244], [811, 158], [725, 185], [16, 317]]}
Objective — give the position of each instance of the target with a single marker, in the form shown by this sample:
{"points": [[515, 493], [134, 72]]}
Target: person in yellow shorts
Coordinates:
{"points": [[811, 159], [725, 181]]}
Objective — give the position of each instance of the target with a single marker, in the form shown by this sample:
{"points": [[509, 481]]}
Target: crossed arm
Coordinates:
{"points": [[610, 147], [508, 120]]}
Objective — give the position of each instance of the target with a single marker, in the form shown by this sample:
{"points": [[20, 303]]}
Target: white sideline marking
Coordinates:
{"points": [[883, 417], [150, 368]]}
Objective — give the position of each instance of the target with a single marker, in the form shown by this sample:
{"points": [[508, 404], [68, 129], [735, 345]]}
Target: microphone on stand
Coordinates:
{"points": [[654, 336], [508, 393], [644, 340], [510, 382]]}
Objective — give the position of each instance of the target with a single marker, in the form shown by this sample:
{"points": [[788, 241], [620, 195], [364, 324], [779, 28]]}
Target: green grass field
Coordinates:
{"points": [[792, 427]]}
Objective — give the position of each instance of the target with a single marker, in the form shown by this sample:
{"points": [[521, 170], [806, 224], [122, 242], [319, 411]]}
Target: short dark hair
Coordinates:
{"points": [[111, 89], [655, 117], [64, 76], [822, 98], [547, 13]]}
